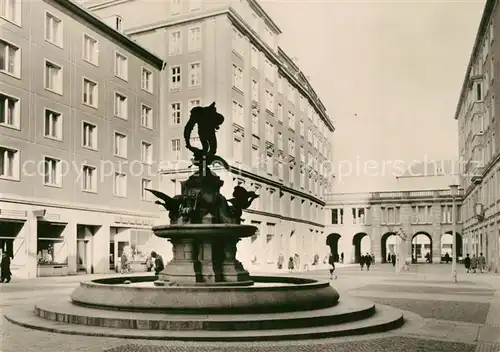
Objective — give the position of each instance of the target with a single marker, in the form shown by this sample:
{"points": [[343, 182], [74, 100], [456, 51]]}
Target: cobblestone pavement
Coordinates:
{"points": [[463, 316]]}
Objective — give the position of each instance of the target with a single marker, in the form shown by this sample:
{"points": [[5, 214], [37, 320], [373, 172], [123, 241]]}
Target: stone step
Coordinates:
{"points": [[385, 319], [348, 309]]}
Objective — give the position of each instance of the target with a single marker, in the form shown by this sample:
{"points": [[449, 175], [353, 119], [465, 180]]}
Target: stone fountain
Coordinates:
{"points": [[204, 292]]}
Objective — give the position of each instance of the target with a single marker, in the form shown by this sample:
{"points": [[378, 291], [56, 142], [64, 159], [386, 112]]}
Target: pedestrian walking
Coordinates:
{"points": [[331, 261], [5, 273], [368, 261], [393, 259], [362, 262], [290, 264], [159, 266], [481, 262], [467, 263], [473, 263], [296, 261]]}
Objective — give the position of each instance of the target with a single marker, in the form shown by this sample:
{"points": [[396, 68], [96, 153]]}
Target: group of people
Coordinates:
{"points": [[153, 261], [367, 260], [475, 263]]}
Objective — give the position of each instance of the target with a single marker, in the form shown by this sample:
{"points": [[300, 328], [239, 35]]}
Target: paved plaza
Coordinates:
{"points": [[442, 316]]}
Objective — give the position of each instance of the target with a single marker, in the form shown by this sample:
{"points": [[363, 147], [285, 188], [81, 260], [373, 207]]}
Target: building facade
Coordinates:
{"points": [[479, 138], [360, 223], [277, 136], [78, 140]]}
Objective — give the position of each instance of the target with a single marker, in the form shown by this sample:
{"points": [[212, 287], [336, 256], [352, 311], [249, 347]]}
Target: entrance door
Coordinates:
{"points": [[82, 255]]}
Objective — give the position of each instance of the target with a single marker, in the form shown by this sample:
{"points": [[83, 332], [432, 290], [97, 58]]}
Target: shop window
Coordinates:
{"points": [[51, 246]]}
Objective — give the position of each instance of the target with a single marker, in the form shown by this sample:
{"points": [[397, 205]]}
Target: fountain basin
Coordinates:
{"points": [[204, 231], [283, 294]]}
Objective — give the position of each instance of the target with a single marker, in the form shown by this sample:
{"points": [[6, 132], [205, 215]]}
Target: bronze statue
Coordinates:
{"points": [[242, 199], [172, 205]]}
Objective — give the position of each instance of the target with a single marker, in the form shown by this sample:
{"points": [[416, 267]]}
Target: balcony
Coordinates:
{"points": [[390, 195]]}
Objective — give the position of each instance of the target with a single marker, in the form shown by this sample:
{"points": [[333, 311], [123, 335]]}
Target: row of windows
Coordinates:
{"points": [[194, 76], [52, 170], [421, 214], [10, 59], [10, 115], [176, 43]]}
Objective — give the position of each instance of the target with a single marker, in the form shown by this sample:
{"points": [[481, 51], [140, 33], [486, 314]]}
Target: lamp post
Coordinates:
{"points": [[454, 193]]}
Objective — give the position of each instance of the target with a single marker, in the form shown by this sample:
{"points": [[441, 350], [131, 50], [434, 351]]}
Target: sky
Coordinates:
{"points": [[389, 74]]}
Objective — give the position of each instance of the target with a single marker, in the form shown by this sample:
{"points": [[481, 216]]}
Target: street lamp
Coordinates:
{"points": [[454, 193]]}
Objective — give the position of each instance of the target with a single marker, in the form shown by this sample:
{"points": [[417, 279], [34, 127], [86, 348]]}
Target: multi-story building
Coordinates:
{"points": [[479, 137], [277, 135], [360, 223], [78, 139]]}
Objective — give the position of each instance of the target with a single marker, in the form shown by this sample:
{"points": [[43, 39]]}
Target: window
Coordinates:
{"points": [[254, 57], [118, 23], [194, 74], [302, 154], [120, 145], [291, 147], [479, 92], [90, 93], [446, 211], [89, 135], [193, 103], [120, 185], [291, 94], [9, 163], [89, 178], [121, 106], [291, 120], [175, 113], [147, 80], [237, 42], [255, 157], [280, 141], [309, 135], [146, 184], [421, 214], [358, 216], [269, 70], [146, 116], [269, 132], [337, 216], [238, 150], [90, 49], [175, 47], [255, 124], [302, 128], [238, 114], [269, 164], [269, 101], [391, 215], [280, 84], [53, 125], [11, 10], [53, 29], [280, 112], [176, 149], [52, 172], [237, 77], [175, 8], [121, 66], [146, 153], [53, 77], [10, 58], [175, 78], [280, 170], [255, 90], [194, 42], [9, 111]]}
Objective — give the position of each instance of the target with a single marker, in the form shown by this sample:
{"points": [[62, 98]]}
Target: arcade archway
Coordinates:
{"points": [[421, 248], [447, 245], [332, 241], [388, 246], [362, 244]]}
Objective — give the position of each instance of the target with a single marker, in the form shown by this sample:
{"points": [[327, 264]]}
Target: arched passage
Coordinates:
{"points": [[421, 248], [447, 244], [387, 246], [332, 241], [362, 243]]}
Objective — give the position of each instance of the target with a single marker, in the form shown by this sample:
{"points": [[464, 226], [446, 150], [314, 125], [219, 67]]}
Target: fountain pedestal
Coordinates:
{"points": [[204, 254]]}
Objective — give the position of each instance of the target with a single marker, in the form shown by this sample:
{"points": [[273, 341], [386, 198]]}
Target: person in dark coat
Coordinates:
{"points": [[159, 266], [393, 259], [362, 261], [290, 264], [368, 261], [5, 273], [331, 261], [389, 258], [342, 257], [467, 263]]}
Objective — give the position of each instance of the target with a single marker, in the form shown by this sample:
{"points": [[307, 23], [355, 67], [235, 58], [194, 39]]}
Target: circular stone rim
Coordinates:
{"points": [[303, 294], [204, 230]]}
